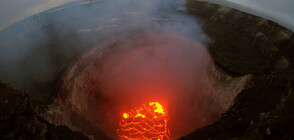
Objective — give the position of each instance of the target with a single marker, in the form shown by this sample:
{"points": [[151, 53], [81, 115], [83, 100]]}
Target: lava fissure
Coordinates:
{"points": [[149, 121]]}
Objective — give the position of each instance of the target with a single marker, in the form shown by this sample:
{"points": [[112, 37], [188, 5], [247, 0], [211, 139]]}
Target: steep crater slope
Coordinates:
{"points": [[246, 44]]}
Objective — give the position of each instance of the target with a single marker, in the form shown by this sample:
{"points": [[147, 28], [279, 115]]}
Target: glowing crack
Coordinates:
{"points": [[147, 122]]}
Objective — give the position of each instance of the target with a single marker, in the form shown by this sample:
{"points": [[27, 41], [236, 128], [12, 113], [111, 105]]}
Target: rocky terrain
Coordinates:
{"points": [[19, 119], [244, 44]]}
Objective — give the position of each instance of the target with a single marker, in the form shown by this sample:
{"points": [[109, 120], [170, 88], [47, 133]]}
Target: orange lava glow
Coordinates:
{"points": [[147, 122]]}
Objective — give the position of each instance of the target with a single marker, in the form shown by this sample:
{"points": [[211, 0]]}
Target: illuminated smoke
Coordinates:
{"points": [[167, 68]]}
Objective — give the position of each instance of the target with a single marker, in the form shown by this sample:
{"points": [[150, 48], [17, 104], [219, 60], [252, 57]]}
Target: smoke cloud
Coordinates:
{"points": [[36, 50], [51, 40], [161, 56], [158, 54]]}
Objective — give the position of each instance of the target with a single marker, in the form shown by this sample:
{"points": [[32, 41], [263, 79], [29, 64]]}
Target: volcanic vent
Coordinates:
{"points": [[161, 58], [144, 85], [149, 121]]}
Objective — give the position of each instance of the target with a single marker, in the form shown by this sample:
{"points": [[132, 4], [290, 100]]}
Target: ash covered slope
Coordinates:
{"points": [[246, 44], [19, 119], [263, 111]]}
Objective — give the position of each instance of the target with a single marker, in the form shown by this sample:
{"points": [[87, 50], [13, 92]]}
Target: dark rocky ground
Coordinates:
{"points": [[19, 119], [241, 44], [246, 44], [262, 111]]}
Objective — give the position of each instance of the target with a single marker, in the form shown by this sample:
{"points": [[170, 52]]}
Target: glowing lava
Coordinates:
{"points": [[147, 122]]}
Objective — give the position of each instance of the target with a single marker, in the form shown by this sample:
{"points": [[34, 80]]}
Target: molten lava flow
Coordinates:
{"points": [[149, 121]]}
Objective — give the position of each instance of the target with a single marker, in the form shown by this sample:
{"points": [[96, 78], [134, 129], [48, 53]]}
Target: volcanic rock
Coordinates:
{"points": [[19, 119]]}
